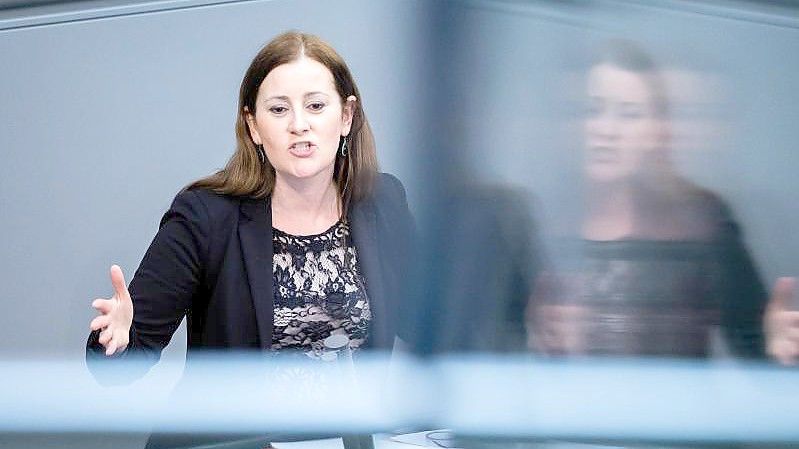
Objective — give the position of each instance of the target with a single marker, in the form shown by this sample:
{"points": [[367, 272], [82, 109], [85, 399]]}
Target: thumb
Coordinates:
{"points": [[118, 281], [782, 295]]}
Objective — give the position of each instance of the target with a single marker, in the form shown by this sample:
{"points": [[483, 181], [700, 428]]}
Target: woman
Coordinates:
{"points": [[661, 262], [296, 239]]}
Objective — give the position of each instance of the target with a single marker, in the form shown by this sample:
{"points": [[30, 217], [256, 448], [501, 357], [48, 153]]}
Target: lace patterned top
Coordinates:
{"points": [[319, 290]]}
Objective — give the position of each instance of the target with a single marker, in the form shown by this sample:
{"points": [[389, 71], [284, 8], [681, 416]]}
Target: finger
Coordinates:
{"points": [[790, 334], [785, 352], [111, 348], [105, 337], [787, 318], [117, 343], [103, 305], [777, 353], [100, 322], [775, 349], [782, 294], [781, 323], [118, 281]]}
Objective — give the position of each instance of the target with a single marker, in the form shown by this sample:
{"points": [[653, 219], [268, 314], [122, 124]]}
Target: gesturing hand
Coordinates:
{"points": [[782, 323], [116, 315]]}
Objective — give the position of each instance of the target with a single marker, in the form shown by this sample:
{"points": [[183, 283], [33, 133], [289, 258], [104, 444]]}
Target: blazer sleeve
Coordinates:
{"points": [[744, 296], [163, 286], [401, 244]]}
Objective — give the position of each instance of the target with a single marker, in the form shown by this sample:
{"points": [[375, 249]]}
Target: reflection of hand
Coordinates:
{"points": [[782, 323], [555, 325], [116, 315], [561, 329]]}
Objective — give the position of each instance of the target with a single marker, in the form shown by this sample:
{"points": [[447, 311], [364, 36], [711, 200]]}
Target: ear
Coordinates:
{"points": [[347, 114], [250, 119]]}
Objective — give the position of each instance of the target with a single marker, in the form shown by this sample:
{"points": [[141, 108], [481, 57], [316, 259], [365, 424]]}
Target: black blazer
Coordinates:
{"points": [[211, 261]]}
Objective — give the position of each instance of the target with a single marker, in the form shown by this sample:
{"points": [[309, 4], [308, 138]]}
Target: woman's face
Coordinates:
{"points": [[299, 118], [623, 126]]}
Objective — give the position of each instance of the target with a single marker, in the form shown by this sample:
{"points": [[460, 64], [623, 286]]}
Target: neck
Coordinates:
{"points": [[609, 212], [304, 207]]}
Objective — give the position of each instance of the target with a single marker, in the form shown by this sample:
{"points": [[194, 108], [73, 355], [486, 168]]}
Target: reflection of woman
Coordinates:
{"points": [[661, 261], [296, 239]]}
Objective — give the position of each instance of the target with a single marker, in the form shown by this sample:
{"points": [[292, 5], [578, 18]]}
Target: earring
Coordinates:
{"points": [[347, 180], [261, 154], [344, 148]]}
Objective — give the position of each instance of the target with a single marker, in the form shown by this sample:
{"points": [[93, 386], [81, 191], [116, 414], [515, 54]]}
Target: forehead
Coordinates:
{"points": [[614, 83], [297, 78]]}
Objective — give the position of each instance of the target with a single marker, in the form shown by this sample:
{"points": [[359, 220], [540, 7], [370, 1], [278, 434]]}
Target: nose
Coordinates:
{"points": [[299, 123]]}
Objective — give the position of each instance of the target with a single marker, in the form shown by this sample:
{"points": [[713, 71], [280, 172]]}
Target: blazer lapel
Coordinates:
{"points": [[255, 235], [364, 236]]}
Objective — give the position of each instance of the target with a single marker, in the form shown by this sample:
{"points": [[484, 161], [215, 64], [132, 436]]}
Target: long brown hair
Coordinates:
{"points": [[245, 175]]}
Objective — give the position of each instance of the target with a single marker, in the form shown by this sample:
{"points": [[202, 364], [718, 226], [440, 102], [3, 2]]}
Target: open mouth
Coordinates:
{"points": [[302, 149], [602, 155]]}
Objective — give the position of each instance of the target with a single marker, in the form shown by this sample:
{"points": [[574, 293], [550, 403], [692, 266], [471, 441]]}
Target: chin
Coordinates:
{"points": [[306, 171], [605, 173]]}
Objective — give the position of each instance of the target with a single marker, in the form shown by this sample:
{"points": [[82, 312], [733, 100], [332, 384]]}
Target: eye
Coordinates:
{"points": [[278, 110], [594, 108], [316, 106]]}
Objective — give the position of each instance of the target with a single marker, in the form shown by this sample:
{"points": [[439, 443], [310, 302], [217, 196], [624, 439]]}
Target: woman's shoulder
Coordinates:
{"points": [[387, 182], [707, 211], [706, 202], [388, 189], [204, 204], [388, 201], [207, 198]]}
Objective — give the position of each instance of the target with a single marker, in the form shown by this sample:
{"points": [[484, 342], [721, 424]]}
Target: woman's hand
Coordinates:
{"points": [[782, 322], [116, 315]]}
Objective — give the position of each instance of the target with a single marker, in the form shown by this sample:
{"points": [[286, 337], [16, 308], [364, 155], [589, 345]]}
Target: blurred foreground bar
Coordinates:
{"points": [[673, 402]]}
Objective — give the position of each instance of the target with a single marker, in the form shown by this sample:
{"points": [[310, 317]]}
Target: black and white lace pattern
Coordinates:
{"points": [[319, 290]]}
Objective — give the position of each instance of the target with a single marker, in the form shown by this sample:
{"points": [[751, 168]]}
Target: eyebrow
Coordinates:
{"points": [[286, 98]]}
